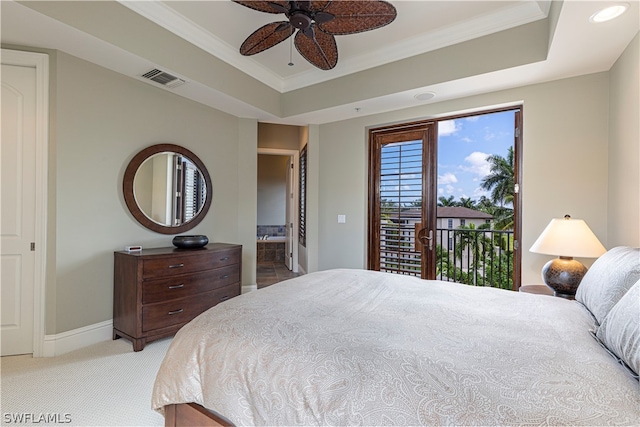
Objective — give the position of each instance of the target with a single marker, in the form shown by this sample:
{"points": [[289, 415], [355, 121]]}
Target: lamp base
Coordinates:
{"points": [[563, 275]]}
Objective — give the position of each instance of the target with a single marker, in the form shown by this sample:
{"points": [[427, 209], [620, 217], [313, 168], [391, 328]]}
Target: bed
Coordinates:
{"points": [[356, 347]]}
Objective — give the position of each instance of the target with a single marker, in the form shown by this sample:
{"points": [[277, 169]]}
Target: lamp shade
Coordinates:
{"points": [[568, 237]]}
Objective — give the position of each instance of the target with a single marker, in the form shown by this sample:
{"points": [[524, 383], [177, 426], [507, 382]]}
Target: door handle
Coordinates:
{"points": [[426, 238]]}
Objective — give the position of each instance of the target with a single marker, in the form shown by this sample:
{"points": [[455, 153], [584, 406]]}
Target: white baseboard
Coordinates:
{"points": [[248, 288], [55, 345]]}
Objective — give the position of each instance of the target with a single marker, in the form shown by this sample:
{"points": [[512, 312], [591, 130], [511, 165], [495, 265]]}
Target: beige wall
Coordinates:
{"points": [[102, 120], [272, 189], [282, 137], [624, 149], [247, 176], [565, 168]]}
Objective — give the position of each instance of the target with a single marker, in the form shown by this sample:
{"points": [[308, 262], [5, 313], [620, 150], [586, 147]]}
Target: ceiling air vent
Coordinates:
{"points": [[163, 78]]}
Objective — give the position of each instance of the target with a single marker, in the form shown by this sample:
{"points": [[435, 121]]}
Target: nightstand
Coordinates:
{"points": [[536, 289]]}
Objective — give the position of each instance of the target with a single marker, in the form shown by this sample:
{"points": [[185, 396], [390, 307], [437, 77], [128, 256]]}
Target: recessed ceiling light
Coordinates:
{"points": [[424, 96], [609, 13]]}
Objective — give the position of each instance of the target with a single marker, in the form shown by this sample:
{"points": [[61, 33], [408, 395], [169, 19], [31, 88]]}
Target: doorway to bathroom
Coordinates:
{"points": [[277, 205]]}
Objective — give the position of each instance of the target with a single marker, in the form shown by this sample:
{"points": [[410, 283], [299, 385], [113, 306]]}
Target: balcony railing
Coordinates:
{"points": [[471, 256]]}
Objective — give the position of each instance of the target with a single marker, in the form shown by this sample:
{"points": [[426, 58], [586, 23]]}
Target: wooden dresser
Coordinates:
{"points": [[157, 291]]}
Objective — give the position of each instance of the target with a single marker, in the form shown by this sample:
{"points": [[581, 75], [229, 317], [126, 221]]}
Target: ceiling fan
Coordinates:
{"points": [[317, 23]]}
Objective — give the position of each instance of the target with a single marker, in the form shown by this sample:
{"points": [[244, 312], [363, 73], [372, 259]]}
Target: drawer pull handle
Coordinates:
{"points": [[176, 266], [224, 277], [224, 298], [175, 311], [224, 259], [181, 285]]}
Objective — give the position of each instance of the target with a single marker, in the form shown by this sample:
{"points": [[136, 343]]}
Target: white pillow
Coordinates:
{"points": [[608, 279], [620, 330]]}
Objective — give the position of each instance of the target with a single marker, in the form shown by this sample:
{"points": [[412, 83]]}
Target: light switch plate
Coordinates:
{"points": [[342, 219]]}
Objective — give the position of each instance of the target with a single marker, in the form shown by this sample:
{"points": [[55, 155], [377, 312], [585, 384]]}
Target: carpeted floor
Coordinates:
{"points": [[106, 384]]}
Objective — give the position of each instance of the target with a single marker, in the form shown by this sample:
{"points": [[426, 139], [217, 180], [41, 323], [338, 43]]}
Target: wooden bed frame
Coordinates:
{"points": [[192, 414]]}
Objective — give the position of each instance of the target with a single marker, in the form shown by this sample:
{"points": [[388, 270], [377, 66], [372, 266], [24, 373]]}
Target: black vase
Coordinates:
{"points": [[190, 242]]}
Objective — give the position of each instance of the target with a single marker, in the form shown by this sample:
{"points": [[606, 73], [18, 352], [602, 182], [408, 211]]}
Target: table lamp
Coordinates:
{"points": [[566, 238]]}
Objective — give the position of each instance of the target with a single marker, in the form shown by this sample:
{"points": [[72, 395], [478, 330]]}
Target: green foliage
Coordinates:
{"points": [[490, 260], [501, 179]]}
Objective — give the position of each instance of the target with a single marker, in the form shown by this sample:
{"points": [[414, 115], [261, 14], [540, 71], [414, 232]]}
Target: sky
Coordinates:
{"points": [[463, 146]]}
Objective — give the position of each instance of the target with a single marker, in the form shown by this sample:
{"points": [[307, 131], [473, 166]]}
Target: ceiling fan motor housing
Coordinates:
{"points": [[301, 20]]}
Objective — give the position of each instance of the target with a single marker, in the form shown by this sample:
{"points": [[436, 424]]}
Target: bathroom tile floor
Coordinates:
{"points": [[268, 273]]}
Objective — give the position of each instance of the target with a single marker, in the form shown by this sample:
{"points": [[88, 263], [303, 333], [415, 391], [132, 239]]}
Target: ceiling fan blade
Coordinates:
{"points": [[352, 17], [322, 17], [318, 5], [304, 5], [272, 6], [265, 37], [320, 50], [281, 7]]}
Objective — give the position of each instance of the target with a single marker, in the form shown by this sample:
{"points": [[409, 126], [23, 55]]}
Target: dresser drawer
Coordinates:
{"points": [[166, 266], [172, 287], [182, 310]]}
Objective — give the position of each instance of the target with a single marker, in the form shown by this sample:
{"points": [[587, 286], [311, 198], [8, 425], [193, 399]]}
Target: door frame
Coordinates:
{"points": [[40, 62], [428, 129], [294, 155]]}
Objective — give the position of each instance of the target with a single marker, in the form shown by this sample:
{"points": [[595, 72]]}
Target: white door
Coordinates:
{"points": [[289, 209], [18, 208]]}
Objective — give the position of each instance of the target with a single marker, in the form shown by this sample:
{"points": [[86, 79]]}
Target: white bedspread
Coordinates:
{"points": [[354, 347]]}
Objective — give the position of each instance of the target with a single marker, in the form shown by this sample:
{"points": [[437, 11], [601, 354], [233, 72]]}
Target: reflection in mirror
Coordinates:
{"points": [[169, 189]]}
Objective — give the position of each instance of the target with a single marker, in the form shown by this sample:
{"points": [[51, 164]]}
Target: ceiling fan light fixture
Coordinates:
{"points": [[609, 13]]}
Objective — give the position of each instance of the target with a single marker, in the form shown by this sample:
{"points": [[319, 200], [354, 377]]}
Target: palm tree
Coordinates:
{"points": [[503, 218], [501, 183], [467, 202], [500, 180], [446, 201], [477, 243], [484, 204]]}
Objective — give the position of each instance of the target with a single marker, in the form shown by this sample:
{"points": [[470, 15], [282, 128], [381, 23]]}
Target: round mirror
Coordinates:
{"points": [[167, 188]]}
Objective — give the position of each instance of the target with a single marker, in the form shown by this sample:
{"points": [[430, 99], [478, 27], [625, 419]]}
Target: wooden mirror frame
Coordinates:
{"points": [[132, 204]]}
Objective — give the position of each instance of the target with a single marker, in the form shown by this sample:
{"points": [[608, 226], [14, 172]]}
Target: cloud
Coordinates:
{"points": [[489, 134], [409, 176], [477, 164], [447, 127], [447, 178]]}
